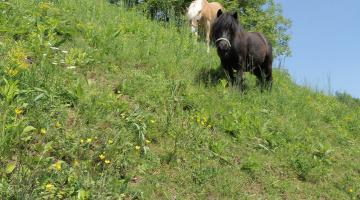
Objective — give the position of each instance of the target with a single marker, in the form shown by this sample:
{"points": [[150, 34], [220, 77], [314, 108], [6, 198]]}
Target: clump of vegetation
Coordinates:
{"points": [[99, 102]]}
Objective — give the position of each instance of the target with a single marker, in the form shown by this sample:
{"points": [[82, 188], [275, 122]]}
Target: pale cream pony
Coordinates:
{"points": [[202, 13]]}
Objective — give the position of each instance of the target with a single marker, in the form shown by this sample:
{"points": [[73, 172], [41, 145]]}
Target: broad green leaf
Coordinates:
{"points": [[10, 167], [27, 138], [82, 194], [28, 129]]}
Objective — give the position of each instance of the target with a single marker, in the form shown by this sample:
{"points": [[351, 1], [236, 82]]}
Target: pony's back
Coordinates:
{"points": [[212, 10]]}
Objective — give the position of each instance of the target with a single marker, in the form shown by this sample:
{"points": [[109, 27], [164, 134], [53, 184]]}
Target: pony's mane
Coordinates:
{"points": [[226, 21], [194, 8]]}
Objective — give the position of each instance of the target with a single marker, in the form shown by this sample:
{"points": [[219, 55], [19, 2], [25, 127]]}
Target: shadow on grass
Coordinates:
{"points": [[210, 77], [213, 77]]}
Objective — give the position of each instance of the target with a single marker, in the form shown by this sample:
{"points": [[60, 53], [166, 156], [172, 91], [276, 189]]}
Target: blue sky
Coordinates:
{"points": [[325, 44]]}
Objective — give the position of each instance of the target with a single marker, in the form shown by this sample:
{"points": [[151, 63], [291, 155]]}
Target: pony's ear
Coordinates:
{"points": [[219, 13], [235, 15]]}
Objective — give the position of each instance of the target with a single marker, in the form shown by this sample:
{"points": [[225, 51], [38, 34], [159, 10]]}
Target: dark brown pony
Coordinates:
{"points": [[241, 51]]}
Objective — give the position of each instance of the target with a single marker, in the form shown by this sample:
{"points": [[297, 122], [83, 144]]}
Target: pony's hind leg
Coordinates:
{"points": [[264, 79], [267, 66]]}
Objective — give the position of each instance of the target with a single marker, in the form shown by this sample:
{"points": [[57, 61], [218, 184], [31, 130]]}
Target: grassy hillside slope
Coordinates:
{"points": [[98, 102]]}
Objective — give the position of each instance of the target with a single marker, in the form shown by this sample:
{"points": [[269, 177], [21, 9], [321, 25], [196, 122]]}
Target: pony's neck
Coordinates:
{"points": [[240, 28]]}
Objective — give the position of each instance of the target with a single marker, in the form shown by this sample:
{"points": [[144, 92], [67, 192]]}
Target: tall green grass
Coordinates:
{"points": [[110, 105]]}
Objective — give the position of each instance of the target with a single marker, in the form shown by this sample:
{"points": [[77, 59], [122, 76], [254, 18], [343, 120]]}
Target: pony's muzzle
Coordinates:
{"points": [[223, 44]]}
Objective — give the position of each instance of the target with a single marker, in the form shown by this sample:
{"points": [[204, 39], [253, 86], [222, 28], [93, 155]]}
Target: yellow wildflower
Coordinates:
{"points": [[197, 119], [147, 141], [76, 163], [107, 161], [49, 187], [209, 126], [110, 141], [81, 141], [152, 121], [57, 165], [137, 147], [102, 156], [18, 111], [350, 190], [89, 140], [43, 131], [205, 119], [57, 125]]}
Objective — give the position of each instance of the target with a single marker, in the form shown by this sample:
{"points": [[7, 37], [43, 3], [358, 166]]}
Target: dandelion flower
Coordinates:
{"points": [[147, 141], [102, 156], [49, 187], [43, 131], [89, 140], [57, 125], [107, 161], [57, 165], [110, 141], [18, 111], [137, 147]]}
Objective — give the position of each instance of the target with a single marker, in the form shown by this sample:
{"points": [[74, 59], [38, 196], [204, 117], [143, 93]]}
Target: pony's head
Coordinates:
{"points": [[224, 30], [194, 14]]}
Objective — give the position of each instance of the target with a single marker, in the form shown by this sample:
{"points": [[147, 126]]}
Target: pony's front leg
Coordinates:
{"points": [[240, 74], [208, 27], [196, 36], [239, 78]]}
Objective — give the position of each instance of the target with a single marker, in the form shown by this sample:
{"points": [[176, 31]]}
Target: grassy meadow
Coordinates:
{"points": [[98, 102]]}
